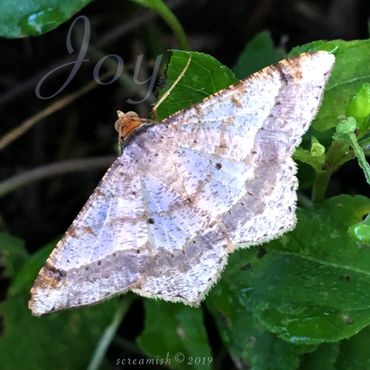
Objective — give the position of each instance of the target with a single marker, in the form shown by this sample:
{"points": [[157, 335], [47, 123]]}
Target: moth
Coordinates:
{"points": [[187, 191]]}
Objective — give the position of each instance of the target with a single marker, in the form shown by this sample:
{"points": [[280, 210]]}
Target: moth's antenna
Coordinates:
{"points": [[165, 95]]}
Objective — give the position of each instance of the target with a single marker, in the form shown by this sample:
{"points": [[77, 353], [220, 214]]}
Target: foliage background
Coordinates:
{"points": [[314, 281]]}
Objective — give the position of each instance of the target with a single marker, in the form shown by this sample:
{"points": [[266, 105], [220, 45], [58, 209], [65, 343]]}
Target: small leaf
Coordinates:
{"points": [[175, 332], [346, 132], [317, 151], [361, 231], [354, 352], [315, 157], [346, 127], [21, 18], [204, 76], [29, 270], [323, 358], [359, 106], [351, 71], [169, 17], [258, 53], [12, 254], [304, 156]]}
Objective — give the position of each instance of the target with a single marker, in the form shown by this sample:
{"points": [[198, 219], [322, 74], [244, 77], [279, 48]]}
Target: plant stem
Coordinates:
{"points": [[109, 333], [320, 185], [338, 154], [51, 170], [360, 156], [169, 17]]}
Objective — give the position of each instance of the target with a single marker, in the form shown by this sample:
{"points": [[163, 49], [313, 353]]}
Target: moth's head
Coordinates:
{"points": [[127, 123]]}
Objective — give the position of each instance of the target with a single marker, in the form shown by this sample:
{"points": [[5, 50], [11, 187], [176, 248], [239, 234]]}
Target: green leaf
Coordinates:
{"points": [[351, 71], [29, 270], [361, 232], [248, 343], [64, 340], [317, 151], [258, 53], [315, 157], [60, 341], [346, 132], [169, 17], [359, 106], [323, 358], [21, 18], [354, 353], [313, 284], [344, 128], [176, 333], [12, 254], [204, 76]]}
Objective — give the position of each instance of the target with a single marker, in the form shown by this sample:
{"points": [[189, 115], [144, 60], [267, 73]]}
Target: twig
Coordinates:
{"points": [[52, 108], [51, 170], [169, 17], [128, 346], [109, 333]]}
